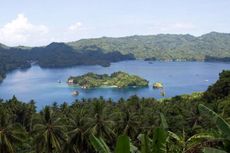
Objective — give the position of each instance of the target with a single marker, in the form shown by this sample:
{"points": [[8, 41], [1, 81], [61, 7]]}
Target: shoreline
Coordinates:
{"points": [[69, 67]]}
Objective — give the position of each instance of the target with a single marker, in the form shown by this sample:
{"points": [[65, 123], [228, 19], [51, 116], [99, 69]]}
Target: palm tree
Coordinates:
{"points": [[155, 145], [49, 133], [99, 125], [123, 145], [195, 142], [163, 140], [129, 118], [159, 141], [78, 136], [10, 134], [128, 123]]}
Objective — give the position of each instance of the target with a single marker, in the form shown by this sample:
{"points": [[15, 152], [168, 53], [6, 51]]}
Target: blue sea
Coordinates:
{"points": [[42, 85]]}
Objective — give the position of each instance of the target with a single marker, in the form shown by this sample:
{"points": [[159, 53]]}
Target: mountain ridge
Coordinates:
{"points": [[128, 36], [160, 46], [102, 51], [164, 46]]}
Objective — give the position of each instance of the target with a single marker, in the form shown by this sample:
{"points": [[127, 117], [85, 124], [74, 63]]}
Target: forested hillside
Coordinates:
{"points": [[182, 124], [102, 51], [55, 55], [12, 58], [164, 46]]}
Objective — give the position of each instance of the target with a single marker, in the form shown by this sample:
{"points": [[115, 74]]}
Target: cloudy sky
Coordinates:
{"points": [[35, 23]]}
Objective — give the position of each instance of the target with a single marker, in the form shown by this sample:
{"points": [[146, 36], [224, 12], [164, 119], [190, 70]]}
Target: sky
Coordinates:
{"points": [[40, 22]]}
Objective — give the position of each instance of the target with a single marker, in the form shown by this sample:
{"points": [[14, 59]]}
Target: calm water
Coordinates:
{"points": [[42, 84]]}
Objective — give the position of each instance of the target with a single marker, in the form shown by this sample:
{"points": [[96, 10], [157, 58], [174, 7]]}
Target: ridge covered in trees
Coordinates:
{"points": [[102, 51], [55, 55], [193, 123], [210, 46]]}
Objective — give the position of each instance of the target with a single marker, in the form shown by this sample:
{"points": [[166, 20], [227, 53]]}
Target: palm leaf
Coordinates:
{"points": [[164, 123], [133, 149], [123, 145], [212, 150], [99, 145], [8, 144], [145, 142], [176, 137], [222, 125], [200, 136], [159, 141]]}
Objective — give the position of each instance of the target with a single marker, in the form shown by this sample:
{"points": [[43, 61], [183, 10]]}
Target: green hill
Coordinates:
{"points": [[55, 55], [102, 51], [163, 46]]}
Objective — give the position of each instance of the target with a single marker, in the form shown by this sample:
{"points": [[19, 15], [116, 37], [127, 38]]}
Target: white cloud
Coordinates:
{"points": [[21, 31], [76, 26]]}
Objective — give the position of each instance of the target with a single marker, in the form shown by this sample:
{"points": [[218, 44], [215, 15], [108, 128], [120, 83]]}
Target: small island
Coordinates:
{"points": [[117, 79], [158, 85]]}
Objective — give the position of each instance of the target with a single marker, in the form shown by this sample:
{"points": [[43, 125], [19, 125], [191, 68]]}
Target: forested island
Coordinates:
{"points": [[116, 79], [196, 123]]}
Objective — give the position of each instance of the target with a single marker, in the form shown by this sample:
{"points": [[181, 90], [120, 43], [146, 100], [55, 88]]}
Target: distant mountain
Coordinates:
{"points": [[102, 51], [3, 46], [55, 55], [12, 58], [163, 46], [63, 55]]}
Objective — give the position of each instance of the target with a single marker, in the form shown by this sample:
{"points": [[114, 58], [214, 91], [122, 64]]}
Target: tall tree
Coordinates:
{"points": [[10, 134], [49, 133]]}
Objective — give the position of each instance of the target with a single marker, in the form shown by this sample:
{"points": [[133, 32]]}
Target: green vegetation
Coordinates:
{"points": [[102, 51], [162, 138], [116, 79], [182, 124], [11, 59], [55, 55], [61, 55], [220, 89], [211, 47]]}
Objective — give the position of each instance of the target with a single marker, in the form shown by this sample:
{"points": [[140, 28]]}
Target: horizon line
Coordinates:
{"points": [[100, 37]]}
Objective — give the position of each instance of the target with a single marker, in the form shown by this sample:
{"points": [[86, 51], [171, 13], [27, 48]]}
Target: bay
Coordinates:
{"points": [[42, 85]]}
